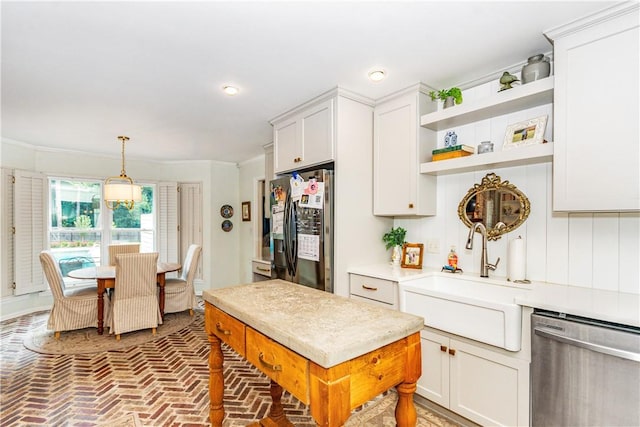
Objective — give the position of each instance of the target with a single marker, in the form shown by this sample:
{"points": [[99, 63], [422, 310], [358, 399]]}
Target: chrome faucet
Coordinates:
{"points": [[485, 266]]}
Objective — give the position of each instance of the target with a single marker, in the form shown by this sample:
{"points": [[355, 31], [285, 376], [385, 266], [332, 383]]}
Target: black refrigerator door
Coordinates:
{"points": [[302, 234], [314, 226], [279, 266]]}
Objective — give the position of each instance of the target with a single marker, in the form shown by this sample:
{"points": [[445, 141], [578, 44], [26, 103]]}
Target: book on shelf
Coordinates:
{"points": [[450, 155], [460, 147]]}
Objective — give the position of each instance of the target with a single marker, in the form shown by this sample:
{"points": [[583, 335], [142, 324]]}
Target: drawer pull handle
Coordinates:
{"points": [[452, 352], [267, 364], [410, 205], [369, 288], [443, 348], [223, 331], [263, 269]]}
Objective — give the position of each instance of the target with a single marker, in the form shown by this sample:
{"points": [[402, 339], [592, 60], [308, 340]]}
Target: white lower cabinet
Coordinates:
{"points": [[488, 387]]}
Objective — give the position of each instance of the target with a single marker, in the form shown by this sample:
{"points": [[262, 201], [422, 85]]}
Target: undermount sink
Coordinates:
{"points": [[476, 308]]}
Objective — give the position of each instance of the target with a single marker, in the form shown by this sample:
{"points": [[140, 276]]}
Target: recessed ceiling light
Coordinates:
{"points": [[230, 90], [377, 75]]}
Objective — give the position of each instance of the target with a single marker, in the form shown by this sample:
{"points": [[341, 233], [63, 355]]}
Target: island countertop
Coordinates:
{"points": [[325, 328]]}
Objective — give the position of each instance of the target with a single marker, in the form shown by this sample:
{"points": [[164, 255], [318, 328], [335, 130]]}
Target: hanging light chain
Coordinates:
{"points": [[124, 139]]}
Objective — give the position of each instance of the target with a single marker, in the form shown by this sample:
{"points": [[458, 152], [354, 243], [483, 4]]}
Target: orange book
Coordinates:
{"points": [[450, 155]]}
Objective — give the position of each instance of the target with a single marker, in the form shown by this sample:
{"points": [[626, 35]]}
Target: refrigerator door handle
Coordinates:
{"points": [[294, 239], [290, 236], [286, 233]]}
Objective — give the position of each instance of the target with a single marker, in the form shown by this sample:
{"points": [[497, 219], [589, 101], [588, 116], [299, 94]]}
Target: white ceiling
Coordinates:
{"points": [[75, 75]]}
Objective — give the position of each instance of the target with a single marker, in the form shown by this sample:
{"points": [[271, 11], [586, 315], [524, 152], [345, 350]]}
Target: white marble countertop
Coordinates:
{"points": [[325, 328], [610, 306]]}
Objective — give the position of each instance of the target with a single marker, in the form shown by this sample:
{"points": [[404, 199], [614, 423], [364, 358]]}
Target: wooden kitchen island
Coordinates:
{"points": [[330, 352]]}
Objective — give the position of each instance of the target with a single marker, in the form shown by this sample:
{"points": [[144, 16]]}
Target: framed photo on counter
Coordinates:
{"points": [[412, 255]]}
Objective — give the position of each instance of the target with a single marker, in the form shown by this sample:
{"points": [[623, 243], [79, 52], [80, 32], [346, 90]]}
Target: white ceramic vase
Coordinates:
{"points": [[396, 254], [449, 102]]}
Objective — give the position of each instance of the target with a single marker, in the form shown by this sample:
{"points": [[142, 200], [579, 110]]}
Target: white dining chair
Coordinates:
{"points": [[179, 293], [135, 298], [72, 308], [127, 248]]}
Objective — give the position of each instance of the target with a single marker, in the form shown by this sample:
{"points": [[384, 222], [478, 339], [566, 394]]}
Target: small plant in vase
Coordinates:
{"points": [[395, 239], [450, 96]]}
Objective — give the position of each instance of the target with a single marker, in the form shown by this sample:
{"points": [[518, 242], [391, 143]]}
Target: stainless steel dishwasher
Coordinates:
{"points": [[584, 372]]}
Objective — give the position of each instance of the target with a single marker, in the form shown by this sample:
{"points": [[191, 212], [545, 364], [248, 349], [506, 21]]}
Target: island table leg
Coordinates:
{"points": [[216, 381], [406, 415]]}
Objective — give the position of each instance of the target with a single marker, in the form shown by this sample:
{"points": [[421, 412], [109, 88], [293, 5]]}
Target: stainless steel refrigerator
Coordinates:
{"points": [[302, 228]]}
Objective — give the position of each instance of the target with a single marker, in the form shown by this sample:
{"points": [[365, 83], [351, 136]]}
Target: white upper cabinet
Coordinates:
{"points": [[304, 137], [596, 151], [400, 145]]}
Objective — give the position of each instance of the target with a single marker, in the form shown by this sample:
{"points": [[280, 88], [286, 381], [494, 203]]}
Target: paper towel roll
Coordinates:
{"points": [[516, 260]]}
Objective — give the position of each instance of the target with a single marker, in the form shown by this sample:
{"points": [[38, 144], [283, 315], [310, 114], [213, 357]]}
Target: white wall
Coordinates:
{"points": [[251, 171], [225, 247], [598, 250], [220, 186]]}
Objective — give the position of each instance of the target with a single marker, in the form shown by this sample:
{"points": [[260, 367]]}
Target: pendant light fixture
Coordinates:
{"points": [[120, 190]]}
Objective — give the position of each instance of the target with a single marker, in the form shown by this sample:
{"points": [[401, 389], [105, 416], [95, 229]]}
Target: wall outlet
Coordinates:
{"points": [[433, 246]]}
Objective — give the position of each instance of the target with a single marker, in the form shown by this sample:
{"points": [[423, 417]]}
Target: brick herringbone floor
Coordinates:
{"points": [[165, 382]]}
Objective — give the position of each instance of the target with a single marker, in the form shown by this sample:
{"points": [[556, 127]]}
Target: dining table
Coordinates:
{"points": [[105, 276]]}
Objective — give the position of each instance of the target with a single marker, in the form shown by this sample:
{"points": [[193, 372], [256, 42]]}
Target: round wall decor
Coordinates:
{"points": [[227, 225], [226, 211]]}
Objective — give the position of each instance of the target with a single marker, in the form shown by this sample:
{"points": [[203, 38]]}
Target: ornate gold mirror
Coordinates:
{"points": [[494, 202]]}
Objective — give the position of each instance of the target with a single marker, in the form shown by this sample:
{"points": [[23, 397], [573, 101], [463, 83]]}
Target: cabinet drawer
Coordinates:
{"points": [[261, 268], [282, 365], [230, 330], [373, 288], [372, 302]]}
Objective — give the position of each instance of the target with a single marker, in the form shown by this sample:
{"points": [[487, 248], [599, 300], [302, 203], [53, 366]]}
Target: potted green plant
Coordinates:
{"points": [[395, 239], [449, 96]]}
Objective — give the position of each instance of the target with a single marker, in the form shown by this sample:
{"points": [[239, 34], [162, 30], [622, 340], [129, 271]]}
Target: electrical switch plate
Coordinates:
{"points": [[433, 246]]}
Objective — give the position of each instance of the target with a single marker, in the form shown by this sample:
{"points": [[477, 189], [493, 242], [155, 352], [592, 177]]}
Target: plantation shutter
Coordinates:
{"points": [[190, 219], [168, 222], [6, 264], [30, 231]]}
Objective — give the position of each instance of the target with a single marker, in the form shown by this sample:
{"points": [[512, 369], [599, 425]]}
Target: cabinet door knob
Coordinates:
{"points": [[410, 205], [452, 352], [443, 348]]}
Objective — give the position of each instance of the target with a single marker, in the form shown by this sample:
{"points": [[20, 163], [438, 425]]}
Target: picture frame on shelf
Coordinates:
{"points": [[412, 254], [528, 132], [246, 211]]}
